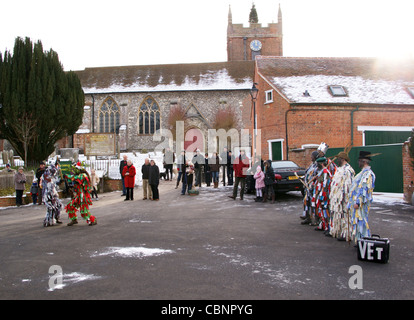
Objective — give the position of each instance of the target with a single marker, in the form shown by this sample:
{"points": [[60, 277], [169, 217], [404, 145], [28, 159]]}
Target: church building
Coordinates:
{"points": [[133, 102]]}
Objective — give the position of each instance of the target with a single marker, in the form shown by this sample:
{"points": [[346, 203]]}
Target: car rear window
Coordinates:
{"points": [[284, 164]]}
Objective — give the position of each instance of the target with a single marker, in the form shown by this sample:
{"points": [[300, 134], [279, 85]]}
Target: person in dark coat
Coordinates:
{"points": [[146, 188], [39, 174], [181, 164], [269, 181], [154, 180], [122, 164], [129, 173], [214, 163], [207, 171]]}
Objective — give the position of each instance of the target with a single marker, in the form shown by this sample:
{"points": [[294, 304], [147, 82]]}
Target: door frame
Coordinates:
{"points": [[270, 147]]}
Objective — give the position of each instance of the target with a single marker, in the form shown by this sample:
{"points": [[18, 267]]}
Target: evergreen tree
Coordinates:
{"points": [[253, 18], [39, 102]]}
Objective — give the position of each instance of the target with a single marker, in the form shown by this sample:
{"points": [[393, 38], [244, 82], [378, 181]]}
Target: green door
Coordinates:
{"points": [[385, 137], [387, 166], [277, 150]]}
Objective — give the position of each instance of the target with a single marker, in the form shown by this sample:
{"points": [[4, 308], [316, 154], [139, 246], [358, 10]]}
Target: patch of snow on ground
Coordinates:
{"points": [[133, 252]]}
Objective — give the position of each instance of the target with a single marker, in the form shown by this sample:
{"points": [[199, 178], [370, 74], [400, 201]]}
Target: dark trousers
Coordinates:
{"points": [[129, 194], [19, 195], [168, 171], [123, 186], [155, 194], [179, 177], [242, 182], [93, 192], [34, 198], [230, 176], [207, 178]]}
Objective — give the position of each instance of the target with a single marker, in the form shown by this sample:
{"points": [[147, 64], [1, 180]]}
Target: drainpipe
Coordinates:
{"points": [[93, 113], [352, 125], [286, 133]]}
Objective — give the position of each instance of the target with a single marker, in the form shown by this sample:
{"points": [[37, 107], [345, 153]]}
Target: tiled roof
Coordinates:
{"points": [[366, 80], [234, 75]]}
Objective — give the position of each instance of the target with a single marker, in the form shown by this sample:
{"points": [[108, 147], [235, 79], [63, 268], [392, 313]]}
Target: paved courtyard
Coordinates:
{"points": [[197, 247]]}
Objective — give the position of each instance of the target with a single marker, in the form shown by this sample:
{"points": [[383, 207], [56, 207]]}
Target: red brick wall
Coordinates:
{"points": [[408, 173], [315, 124]]}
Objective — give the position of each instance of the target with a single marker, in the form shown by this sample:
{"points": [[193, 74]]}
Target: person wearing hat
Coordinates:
{"points": [[360, 197], [339, 196], [320, 200]]}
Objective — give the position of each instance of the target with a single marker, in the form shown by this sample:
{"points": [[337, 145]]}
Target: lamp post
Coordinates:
{"points": [[253, 93]]}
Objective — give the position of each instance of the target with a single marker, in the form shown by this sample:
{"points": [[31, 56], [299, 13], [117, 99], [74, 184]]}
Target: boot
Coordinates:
{"points": [[264, 198], [215, 184], [72, 222], [273, 198]]}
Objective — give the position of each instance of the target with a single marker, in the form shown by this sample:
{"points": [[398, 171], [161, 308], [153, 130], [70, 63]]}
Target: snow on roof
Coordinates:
{"points": [[359, 90], [235, 75], [365, 80]]}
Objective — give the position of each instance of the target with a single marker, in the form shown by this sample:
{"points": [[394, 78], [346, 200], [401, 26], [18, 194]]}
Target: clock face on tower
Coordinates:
{"points": [[255, 45]]}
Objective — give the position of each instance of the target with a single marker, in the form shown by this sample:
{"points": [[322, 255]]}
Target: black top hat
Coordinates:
{"points": [[365, 155]]}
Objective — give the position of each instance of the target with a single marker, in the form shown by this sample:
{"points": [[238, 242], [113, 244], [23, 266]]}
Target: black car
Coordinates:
{"points": [[287, 175]]}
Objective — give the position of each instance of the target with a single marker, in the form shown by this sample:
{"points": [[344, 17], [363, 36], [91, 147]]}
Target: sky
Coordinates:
{"points": [[99, 33]]}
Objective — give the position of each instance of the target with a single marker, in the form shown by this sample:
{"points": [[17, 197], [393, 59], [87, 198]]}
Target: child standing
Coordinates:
{"points": [[34, 190], [259, 177]]}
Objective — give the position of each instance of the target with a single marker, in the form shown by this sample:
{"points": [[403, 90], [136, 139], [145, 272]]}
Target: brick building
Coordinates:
{"points": [[340, 101]]}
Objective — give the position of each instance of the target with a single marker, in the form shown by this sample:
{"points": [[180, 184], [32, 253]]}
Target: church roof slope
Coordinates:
{"points": [[235, 75], [364, 80]]}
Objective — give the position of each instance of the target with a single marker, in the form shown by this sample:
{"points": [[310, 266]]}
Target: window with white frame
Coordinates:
{"points": [[269, 96]]}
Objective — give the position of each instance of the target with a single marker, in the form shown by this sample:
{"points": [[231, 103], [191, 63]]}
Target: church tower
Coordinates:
{"points": [[247, 43]]}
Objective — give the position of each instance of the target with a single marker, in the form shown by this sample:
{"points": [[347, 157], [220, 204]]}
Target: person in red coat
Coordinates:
{"points": [[129, 179], [240, 166]]}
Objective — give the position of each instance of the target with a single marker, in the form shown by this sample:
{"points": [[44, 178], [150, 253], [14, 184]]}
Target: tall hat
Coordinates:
{"points": [[367, 155], [323, 147]]}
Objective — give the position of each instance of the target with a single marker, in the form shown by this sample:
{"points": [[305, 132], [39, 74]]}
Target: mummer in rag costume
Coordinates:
{"points": [[320, 200], [338, 198], [360, 198], [51, 196], [81, 196], [310, 173]]}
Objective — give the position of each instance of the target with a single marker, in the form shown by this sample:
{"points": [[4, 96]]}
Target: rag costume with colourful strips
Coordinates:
{"points": [[51, 196], [321, 197], [361, 194], [338, 200], [82, 197], [310, 173]]}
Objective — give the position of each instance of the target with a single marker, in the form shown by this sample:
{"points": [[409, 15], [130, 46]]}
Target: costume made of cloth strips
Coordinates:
{"points": [[361, 194], [51, 196], [340, 186], [82, 197], [320, 199]]}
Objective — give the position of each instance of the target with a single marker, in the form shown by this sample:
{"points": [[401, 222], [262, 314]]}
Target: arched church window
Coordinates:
{"points": [[108, 116], [149, 117]]}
